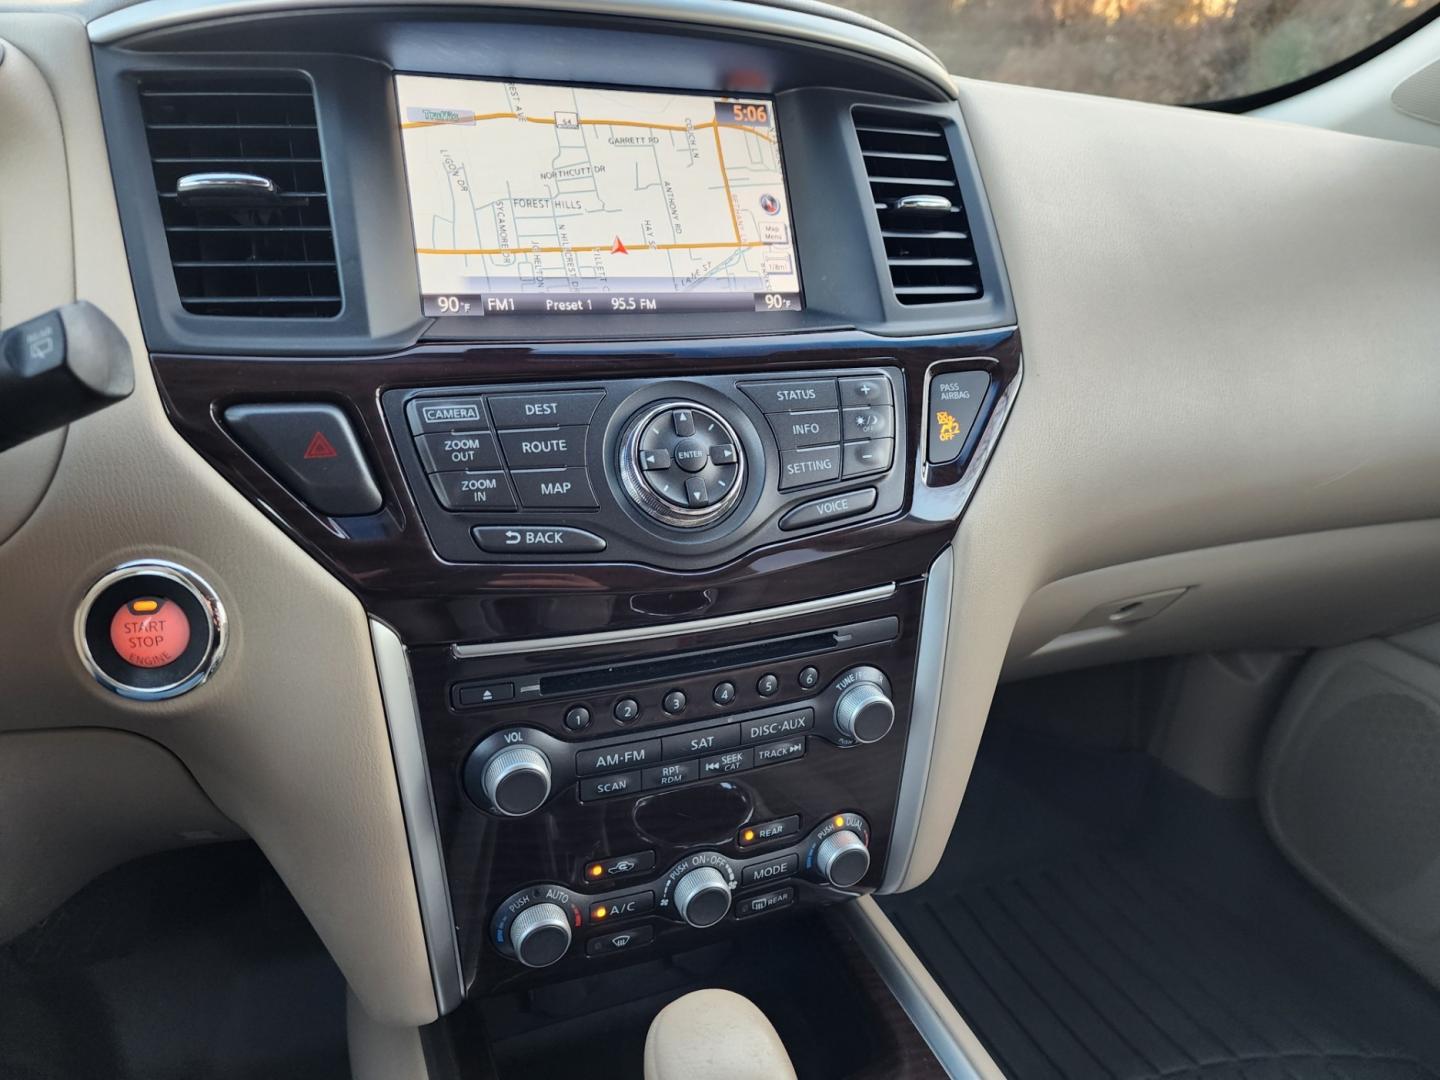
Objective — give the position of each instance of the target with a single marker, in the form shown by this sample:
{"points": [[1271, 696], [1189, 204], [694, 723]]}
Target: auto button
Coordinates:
{"points": [[536, 540]]}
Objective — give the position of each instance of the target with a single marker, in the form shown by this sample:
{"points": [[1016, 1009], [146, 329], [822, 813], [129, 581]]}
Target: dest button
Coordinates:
{"points": [[533, 539]]}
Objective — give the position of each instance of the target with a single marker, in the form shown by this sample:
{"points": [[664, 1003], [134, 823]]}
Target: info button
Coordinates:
{"points": [[536, 540]]}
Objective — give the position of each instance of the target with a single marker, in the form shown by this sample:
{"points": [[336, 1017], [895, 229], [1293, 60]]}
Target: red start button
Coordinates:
{"points": [[150, 632]]}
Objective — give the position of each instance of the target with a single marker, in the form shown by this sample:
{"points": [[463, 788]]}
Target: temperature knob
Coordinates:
{"points": [[540, 935], [517, 781], [843, 858], [702, 897], [864, 711]]}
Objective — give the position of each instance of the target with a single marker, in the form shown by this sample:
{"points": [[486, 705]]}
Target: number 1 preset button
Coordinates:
{"points": [[535, 539]]}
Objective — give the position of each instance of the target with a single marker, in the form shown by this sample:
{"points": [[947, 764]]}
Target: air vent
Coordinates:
{"points": [[917, 200], [250, 235]]}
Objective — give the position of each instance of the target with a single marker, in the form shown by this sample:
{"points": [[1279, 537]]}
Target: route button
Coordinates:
{"points": [[545, 448], [536, 540]]}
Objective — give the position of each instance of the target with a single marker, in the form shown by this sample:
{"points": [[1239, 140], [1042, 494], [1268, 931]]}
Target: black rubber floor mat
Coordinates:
{"points": [[1150, 934]]}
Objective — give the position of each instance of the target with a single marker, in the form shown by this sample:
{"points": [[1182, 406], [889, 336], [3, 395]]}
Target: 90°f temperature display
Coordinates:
{"points": [[530, 199]]}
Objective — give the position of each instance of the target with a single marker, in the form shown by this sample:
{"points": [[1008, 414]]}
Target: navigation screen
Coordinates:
{"points": [[532, 199]]}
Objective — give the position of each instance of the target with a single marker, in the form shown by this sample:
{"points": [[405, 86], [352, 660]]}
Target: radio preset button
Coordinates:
{"points": [[473, 491], [799, 468], [546, 489], [673, 702], [429, 414], [534, 539], [792, 396], [724, 693], [577, 718], [614, 758], [701, 742], [626, 710], [866, 390], [451, 450], [732, 761], [794, 722], [767, 685], [609, 787], [809, 678], [668, 775], [532, 410], [830, 508], [766, 831], [545, 448], [770, 869]]}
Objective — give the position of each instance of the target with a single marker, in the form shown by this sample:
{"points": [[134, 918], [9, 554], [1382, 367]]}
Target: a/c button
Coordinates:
{"points": [[830, 508], [535, 539]]}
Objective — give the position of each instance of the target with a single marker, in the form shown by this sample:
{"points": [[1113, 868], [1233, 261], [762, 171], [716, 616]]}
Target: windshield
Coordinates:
{"points": [[1174, 51]]}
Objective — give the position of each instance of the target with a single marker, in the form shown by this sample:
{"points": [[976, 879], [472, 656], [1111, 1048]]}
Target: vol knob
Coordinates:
{"points": [[865, 712], [540, 935], [517, 780], [843, 859], [702, 897]]}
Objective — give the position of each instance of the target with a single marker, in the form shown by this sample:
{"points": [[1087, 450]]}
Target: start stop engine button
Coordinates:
{"points": [[150, 630]]}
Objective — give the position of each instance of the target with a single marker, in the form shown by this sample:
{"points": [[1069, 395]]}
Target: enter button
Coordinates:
{"points": [[830, 508]]}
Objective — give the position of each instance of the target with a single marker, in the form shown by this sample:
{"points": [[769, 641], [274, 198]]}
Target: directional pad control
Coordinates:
{"points": [[682, 464]]}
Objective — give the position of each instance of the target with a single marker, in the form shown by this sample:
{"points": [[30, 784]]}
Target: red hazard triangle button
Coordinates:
{"points": [[320, 447]]}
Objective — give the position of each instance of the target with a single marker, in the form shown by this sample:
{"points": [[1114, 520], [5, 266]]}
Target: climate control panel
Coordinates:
{"points": [[538, 925], [682, 471]]}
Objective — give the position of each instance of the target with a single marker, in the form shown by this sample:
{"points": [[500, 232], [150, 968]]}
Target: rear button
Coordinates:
{"points": [[831, 508], [530, 540]]}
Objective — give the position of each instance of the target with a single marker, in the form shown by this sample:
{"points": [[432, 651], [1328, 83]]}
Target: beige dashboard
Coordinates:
{"points": [[1229, 389]]}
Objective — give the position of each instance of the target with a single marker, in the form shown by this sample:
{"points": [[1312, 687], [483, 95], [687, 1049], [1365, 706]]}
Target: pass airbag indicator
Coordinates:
{"points": [[150, 632]]}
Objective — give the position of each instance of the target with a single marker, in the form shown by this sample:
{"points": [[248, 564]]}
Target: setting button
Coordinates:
{"points": [[534, 539], [544, 448], [792, 396], [429, 414], [866, 390], [868, 456], [799, 468], [872, 422], [452, 450], [797, 429], [955, 401], [611, 759], [473, 491], [534, 410], [830, 508], [554, 489]]}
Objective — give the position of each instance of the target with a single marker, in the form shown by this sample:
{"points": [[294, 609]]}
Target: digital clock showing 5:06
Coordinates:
{"points": [[746, 113]]}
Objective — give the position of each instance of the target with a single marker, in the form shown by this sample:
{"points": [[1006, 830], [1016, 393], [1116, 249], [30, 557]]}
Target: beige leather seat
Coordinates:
{"points": [[714, 1035]]}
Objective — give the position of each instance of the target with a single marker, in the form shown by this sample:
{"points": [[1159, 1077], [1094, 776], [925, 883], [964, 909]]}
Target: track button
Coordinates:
{"points": [[535, 539]]}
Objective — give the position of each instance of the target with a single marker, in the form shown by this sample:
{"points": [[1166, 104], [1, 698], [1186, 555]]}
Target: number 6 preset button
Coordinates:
{"points": [[535, 539]]}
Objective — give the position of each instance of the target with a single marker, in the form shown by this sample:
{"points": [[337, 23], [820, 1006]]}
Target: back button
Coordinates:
{"points": [[535, 539]]}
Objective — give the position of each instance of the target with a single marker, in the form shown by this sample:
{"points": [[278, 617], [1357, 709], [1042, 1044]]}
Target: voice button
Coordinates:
{"points": [[535, 539]]}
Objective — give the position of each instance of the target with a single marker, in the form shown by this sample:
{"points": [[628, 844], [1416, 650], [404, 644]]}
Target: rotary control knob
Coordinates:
{"points": [[864, 712], [517, 781], [702, 897], [540, 935], [842, 858], [682, 464]]}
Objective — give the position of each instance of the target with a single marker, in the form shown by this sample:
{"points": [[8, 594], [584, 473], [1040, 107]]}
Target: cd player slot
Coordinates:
{"points": [[698, 663]]}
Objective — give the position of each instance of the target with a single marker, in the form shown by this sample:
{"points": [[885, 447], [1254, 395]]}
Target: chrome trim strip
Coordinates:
{"points": [[907, 991], [924, 718], [805, 20], [191, 582], [695, 626], [412, 774]]}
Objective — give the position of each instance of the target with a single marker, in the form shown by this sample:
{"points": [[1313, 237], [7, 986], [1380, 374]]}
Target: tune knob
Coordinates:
{"points": [[702, 897], [843, 858], [864, 712], [540, 935], [517, 780]]}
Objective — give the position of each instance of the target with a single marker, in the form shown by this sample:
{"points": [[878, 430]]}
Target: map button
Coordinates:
{"points": [[554, 489], [531, 410], [544, 448]]}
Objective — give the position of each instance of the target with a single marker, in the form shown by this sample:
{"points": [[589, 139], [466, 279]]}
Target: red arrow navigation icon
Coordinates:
{"points": [[619, 248]]}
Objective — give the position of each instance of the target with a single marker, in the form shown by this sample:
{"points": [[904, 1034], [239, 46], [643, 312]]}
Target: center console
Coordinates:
{"points": [[641, 435]]}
